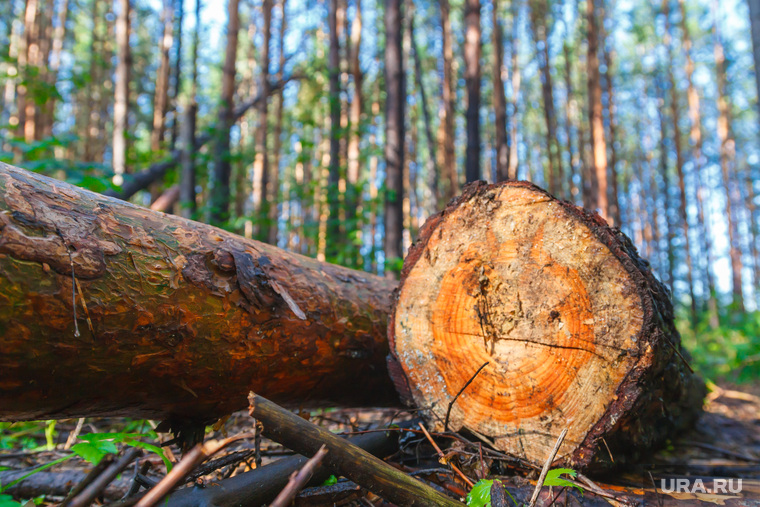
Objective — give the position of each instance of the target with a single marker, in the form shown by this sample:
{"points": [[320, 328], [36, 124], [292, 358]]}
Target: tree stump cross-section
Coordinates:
{"points": [[574, 327]]}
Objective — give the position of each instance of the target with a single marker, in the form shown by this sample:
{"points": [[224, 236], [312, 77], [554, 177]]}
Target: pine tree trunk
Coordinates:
{"points": [[538, 14], [695, 119], [539, 317], [334, 227], [355, 115], [189, 143], [121, 93], [499, 97], [727, 161], [27, 60], [170, 318], [515, 92], [177, 72], [161, 96], [220, 192], [59, 33], [570, 109], [472, 79], [448, 96], [274, 184], [434, 173], [394, 135], [596, 120], [675, 112], [614, 200], [754, 22], [670, 254], [261, 169]]}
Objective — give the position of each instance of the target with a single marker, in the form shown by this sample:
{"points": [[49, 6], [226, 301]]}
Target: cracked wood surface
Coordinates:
{"points": [[574, 327], [176, 318]]}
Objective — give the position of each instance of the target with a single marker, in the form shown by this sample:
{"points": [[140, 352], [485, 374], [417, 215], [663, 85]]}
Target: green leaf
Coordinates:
{"points": [[152, 448], [330, 481], [8, 501], [100, 442], [480, 495], [94, 451], [553, 478]]}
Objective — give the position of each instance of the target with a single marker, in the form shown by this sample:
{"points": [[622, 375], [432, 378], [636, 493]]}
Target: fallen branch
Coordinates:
{"points": [[198, 454], [299, 479], [96, 487], [348, 460]]}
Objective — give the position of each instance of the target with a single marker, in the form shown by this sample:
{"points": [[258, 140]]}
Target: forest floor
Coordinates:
{"points": [[724, 443]]}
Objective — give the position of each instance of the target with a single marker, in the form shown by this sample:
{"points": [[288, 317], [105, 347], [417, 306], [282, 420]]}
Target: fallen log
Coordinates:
{"points": [[542, 316], [173, 319], [519, 315]]}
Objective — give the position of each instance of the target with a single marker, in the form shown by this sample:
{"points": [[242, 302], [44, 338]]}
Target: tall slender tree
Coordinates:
{"points": [[675, 112], [334, 226], [274, 184], [434, 175], [613, 192], [261, 168], [355, 110], [59, 34], [727, 161], [161, 95], [177, 74], [121, 93], [394, 134], [220, 192], [754, 19], [499, 98], [539, 12], [515, 48], [596, 119], [448, 96], [187, 195], [472, 51]]}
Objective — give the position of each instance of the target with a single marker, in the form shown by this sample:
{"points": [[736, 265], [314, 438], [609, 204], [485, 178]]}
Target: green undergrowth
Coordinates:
{"points": [[728, 352], [34, 437]]}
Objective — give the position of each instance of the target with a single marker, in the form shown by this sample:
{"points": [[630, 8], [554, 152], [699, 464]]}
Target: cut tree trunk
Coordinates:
{"points": [[572, 327], [173, 319], [178, 320]]}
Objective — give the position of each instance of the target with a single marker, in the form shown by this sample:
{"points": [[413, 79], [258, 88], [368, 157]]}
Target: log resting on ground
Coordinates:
{"points": [[176, 319], [179, 320], [576, 331]]}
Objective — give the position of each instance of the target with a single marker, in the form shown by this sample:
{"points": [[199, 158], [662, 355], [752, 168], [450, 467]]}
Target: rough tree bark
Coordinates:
{"points": [[174, 318], [567, 323]]}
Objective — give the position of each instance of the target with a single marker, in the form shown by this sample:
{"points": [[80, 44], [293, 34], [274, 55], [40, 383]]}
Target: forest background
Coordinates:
{"points": [[333, 129]]}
